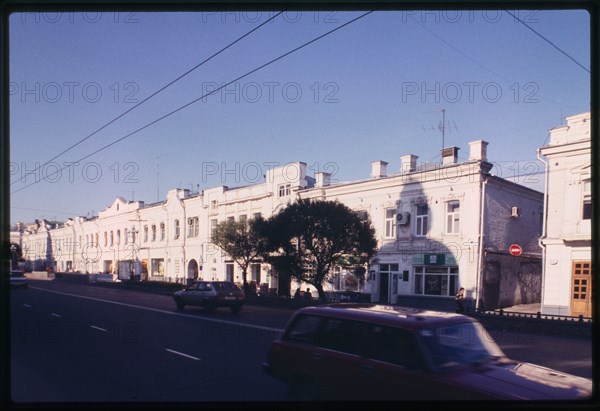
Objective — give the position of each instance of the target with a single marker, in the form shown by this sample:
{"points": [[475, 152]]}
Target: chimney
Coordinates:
{"points": [[478, 150], [409, 163], [449, 155], [378, 169], [322, 179]]}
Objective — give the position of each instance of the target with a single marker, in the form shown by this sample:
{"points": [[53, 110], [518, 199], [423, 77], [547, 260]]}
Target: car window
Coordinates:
{"points": [[303, 330], [456, 344], [395, 346], [192, 287], [202, 286], [342, 335]]}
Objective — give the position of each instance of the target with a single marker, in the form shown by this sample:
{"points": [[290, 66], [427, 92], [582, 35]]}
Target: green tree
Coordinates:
{"points": [[316, 235], [241, 241]]}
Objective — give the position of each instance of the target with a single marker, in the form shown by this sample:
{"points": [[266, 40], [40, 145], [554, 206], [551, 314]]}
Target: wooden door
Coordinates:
{"points": [[581, 289]]}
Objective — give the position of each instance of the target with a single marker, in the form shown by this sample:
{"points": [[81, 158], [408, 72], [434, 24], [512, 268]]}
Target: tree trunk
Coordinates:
{"points": [[321, 292]]}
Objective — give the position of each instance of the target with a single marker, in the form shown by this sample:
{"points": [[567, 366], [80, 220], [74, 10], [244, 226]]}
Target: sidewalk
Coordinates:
{"points": [[522, 308]]}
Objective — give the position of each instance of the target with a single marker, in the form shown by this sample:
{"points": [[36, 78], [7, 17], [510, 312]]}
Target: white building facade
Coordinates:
{"points": [[438, 226], [567, 239]]}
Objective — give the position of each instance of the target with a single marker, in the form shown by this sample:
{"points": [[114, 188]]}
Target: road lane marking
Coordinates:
{"points": [[26, 305], [182, 354], [214, 320], [55, 315], [98, 328]]}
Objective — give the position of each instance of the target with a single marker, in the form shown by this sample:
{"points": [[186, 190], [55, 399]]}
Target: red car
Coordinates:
{"points": [[375, 352]]}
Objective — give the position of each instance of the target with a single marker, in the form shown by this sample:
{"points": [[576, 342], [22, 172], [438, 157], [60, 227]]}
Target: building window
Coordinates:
{"points": [[177, 232], [390, 223], [145, 233], [158, 267], [452, 217], [243, 218], [256, 215], [97, 242], [162, 231], [112, 238], [133, 235], [193, 227], [126, 235], [421, 222], [229, 219], [153, 232], [285, 190], [441, 281], [118, 237], [213, 225], [587, 200]]}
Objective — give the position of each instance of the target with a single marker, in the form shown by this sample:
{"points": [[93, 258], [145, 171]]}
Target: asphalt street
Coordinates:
{"points": [[75, 342]]}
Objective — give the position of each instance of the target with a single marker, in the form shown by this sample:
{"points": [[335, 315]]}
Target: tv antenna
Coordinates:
{"points": [[443, 126]]}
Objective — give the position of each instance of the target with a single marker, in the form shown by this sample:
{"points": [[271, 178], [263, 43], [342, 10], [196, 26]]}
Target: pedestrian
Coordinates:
{"points": [[297, 294], [307, 295], [459, 300]]}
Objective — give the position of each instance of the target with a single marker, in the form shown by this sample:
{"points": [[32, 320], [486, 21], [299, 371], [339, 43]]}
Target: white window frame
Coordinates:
{"points": [[586, 198], [193, 227], [453, 217], [421, 221], [390, 223], [285, 189], [451, 275], [163, 231], [177, 229]]}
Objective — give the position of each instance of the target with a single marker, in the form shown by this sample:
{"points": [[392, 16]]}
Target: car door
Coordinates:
{"points": [[338, 360], [394, 367], [189, 295]]}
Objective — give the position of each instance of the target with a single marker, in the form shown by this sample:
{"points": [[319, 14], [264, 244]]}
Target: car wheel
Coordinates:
{"points": [[303, 389], [236, 309], [180, 304]]}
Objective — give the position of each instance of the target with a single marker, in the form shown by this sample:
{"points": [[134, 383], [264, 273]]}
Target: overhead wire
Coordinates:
{"points": [[204, 96], [150, 96], [549, 42]]}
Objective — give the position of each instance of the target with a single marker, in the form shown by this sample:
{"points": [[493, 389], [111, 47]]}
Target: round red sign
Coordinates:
{"points": [[515, 249]]}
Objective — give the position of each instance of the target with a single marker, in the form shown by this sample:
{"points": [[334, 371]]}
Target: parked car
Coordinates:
{"points": [[17, 279], [354, 351], [210, 295]]}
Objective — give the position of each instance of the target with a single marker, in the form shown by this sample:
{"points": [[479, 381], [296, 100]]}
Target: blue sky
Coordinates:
{"points": [[373, 90]]}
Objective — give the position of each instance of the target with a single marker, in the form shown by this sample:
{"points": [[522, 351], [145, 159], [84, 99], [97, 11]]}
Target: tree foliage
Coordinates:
{"points": [[316, 235], [241, 241]]}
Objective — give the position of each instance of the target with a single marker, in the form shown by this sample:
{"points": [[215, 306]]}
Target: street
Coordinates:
{"points": [[76, 342]]}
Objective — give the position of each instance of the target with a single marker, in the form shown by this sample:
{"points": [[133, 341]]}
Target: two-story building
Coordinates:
{"points": [[439, 226], [567, 238]]}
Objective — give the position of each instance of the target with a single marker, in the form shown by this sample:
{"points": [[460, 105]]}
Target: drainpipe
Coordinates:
{"points": [[544, 224], [183, 235], [481, 238]]}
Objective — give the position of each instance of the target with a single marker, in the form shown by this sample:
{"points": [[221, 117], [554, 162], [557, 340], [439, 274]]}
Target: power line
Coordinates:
{"points": [[548, 41], [152, 95], [204, 96]]}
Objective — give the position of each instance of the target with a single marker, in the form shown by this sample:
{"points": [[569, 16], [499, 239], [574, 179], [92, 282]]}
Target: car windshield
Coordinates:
{"points": [[459, 344]]}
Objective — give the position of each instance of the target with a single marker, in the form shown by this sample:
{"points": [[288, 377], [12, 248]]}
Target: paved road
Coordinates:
{"points": [[73, 342], [68, 348]]}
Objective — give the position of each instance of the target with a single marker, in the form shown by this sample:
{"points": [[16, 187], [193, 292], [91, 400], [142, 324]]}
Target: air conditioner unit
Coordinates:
{"points": [[515, 212], [403, 218]]}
